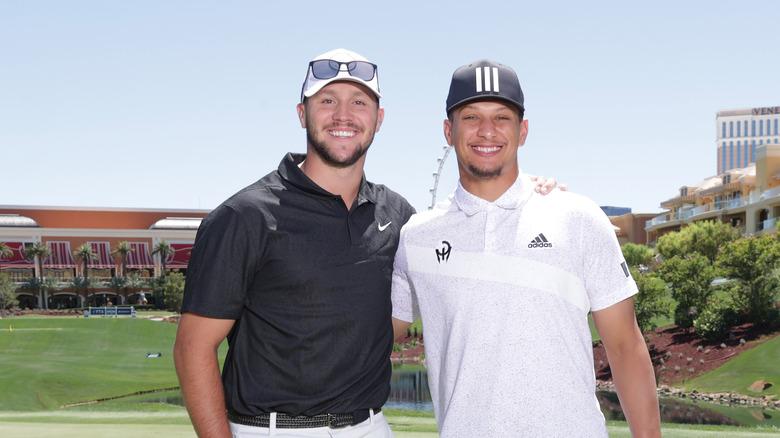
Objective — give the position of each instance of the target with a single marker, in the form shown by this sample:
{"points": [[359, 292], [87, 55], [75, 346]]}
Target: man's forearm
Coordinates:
{"points": [[201, 386], [634, 380]]}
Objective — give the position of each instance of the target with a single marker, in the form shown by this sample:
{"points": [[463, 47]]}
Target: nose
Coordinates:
{"points": [[343, 112], [486, 128]]}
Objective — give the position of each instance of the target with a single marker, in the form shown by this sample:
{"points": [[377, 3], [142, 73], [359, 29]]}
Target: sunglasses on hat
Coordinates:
{"points": [[328, 68]]}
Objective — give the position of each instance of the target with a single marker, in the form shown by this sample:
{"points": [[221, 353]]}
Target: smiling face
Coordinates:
{"points": [[486, 135], [340, 121]]}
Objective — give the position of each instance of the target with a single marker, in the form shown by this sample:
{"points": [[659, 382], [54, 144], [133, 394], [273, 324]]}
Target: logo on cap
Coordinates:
{"points": [[487, 81]]}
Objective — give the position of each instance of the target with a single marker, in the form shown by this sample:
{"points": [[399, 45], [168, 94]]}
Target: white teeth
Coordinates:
{"points": [[342, 134], [487, 149]]}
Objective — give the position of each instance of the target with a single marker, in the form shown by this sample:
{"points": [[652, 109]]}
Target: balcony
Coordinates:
{"points": [[687, 213]]}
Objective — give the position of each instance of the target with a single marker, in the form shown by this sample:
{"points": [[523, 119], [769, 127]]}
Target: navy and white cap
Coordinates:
{"points": [[484, 79]]}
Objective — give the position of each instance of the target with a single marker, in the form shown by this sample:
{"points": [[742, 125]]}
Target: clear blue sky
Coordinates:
{"points": [[179, 104]]}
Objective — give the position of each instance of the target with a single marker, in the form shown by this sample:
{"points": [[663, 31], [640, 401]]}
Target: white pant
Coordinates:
{"points": [[374, 427]]}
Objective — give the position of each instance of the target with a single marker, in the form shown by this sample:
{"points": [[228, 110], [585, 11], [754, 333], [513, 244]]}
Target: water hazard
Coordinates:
{"points": [[409, 390]]}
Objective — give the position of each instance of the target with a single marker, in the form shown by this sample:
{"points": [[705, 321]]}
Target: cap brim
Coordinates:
{"points": [[486, 97]]}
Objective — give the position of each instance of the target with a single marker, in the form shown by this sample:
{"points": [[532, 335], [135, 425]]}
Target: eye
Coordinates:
{"points": [[360, 102], [327, 100]]}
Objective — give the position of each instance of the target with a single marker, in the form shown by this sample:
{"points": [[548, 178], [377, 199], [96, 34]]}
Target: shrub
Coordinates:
{"points": [[714, 322]]}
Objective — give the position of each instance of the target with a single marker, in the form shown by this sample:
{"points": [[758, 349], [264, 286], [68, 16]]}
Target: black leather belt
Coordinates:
{"points": [[284, 421]]}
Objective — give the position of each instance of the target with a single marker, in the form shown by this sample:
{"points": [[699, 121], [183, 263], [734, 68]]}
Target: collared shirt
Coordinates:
{"points": [[308, 283], [504, 289]]}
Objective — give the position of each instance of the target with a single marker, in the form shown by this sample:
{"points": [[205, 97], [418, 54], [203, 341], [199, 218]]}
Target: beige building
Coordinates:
{"points": [[747, 198]]}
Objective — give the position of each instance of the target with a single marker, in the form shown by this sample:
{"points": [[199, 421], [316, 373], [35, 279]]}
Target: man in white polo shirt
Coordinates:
{"points": [[504, 279]]}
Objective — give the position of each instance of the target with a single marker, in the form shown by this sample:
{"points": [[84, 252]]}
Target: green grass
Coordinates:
{"points": [[759, 363], [54, 361]]}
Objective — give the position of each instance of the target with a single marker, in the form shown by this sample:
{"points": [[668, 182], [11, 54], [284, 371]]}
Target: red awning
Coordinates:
{"points": [[61, 256], [139, 257], [181, 255], [103, 252], [17, 258]]}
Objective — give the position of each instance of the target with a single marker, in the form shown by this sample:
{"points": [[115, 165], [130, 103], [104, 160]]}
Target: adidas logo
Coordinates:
{"points": [[540, 242]]}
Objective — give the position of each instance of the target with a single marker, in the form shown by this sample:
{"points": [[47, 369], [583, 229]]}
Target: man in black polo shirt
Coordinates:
{"points": [[295, 270]]}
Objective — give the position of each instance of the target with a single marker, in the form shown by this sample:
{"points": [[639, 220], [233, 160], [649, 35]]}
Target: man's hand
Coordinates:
{"points": [[546, 185]]}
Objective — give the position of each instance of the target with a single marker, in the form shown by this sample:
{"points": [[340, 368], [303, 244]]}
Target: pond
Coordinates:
{"points": [[409, 390]]}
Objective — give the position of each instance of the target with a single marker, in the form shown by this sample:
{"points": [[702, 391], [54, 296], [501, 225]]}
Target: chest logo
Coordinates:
{"points": [[383, 227], [444, 252], [540, 242]]}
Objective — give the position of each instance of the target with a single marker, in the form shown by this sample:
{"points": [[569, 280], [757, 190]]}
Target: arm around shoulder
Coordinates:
{"points": [[197, 366], [632, 370]]}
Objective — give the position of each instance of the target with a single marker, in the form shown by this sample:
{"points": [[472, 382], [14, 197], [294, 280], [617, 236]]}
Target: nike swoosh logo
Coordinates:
{"points": [[382, 227]]}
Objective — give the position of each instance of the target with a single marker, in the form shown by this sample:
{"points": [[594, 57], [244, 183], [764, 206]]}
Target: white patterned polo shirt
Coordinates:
{"points": [[504, 289]]}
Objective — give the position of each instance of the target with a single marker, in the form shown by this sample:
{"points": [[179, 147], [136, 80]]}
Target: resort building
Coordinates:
{"points": [[64, 229], [746, 190], [741, 132]]}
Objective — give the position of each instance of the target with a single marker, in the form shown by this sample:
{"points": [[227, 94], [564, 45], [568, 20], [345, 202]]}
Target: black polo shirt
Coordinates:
{"points": [[308, 283]]}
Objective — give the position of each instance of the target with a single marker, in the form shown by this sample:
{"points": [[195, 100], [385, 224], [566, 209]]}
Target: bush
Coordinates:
{"points": [[651, 301], [714, 322]]}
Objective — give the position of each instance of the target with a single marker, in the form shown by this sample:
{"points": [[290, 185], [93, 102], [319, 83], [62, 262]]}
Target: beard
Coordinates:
{"points": [[485, 172], [321, 149]]}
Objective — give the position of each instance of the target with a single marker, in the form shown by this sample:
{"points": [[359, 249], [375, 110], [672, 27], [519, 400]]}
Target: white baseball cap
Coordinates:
{"points": [[339, 65]]}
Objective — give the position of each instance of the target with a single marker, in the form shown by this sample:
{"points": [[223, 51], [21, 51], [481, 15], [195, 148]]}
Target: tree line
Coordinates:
{"points": [[707, 278]]}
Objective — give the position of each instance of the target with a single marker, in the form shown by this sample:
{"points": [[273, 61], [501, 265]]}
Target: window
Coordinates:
{"points": [[760, 127], [753, 146], [731, 129], [731, 155], [723, 129], [753, 128], [739, 129], [726, 179], [775, 128], [723, 157], [684, 192], [739, 154]]}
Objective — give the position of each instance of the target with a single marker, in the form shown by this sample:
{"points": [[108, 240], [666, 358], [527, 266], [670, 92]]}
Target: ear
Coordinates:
{"points": [[301, 108], [380, 116], [523, 131], [448, 131]]}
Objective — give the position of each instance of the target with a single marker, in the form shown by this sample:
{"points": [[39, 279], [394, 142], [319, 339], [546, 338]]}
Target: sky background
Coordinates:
{"points": [[179, 104]]}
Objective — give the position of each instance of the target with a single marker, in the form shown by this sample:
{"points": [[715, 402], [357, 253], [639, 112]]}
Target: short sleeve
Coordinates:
{"points": [[404, 305], [607, 278], [221, 266]]}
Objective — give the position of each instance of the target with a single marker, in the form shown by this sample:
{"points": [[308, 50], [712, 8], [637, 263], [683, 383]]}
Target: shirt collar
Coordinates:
{"points": [[290, 172], [517, 195]]}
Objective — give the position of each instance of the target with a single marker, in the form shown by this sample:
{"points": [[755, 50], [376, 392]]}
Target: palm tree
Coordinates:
{"points": [[5, 251], [122, 250], [163, 249], [79, 283], [37, 252], [118, 283], [134, 282], [93, 283], [42, 286], [86, 254]]}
